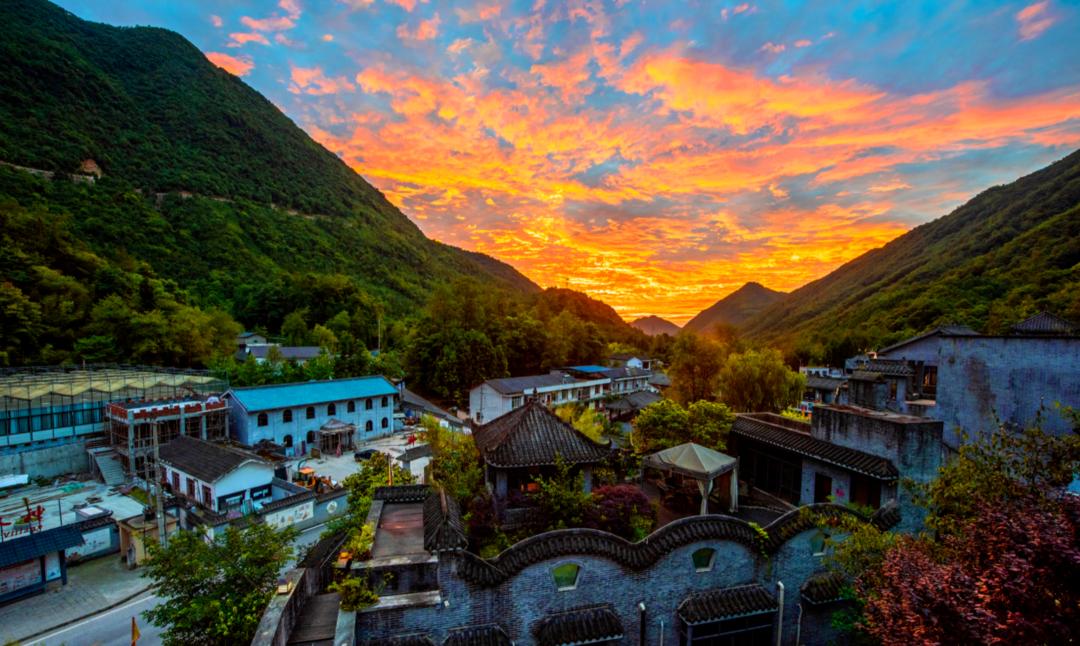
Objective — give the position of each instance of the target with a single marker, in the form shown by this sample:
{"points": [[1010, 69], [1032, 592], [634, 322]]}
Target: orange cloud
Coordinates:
{"points": [[482, 11], [426, 30], [311, 80], [216, 20], [241, 38], [1034, 19], [275, 23], [238, 65]]}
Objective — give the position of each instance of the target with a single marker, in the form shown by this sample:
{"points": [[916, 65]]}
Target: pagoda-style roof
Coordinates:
{"points": [[534, 436], [1044, 323]]}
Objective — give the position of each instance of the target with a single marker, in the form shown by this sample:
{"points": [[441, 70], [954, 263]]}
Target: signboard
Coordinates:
{"points": [[19, 576], [291, 515], [94, 542]]}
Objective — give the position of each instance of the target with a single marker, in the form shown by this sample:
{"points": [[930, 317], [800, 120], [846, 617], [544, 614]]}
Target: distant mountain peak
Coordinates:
{"points": [[736, 308], [654, 325]]}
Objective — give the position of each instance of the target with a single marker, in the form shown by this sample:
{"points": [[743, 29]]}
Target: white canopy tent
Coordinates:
{"points": [[700, 463]]}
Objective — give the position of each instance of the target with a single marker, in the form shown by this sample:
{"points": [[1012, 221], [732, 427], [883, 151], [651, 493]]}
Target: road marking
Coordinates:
{"points": [[134, 602]]}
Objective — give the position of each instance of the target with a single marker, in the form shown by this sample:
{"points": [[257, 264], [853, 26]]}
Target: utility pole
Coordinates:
{"points": [[157, 487]]}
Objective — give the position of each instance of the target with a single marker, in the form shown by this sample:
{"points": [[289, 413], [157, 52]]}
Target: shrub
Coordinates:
{"points": [[621, 509]]}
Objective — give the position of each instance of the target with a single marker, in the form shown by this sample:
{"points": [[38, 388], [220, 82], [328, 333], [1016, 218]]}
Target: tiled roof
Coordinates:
{"points": [[1043, 323], [485, 635], [891, 368], [518, 385], [865, 375], [633, 401], [287, 352], [660, 379], [823, 383], [532, 435], [942, 330], [415, 453], [443, 528], [761, 427], [260, 398], [824, 587], [727, 603], [581, 626], [402, 493], [411, 398], [638, 556], [625, 373], [31, 546], [204, 460], [325, 551], [412, 639]]}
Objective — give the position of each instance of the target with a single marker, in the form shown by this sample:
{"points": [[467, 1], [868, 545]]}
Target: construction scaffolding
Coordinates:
{"points": [[132, 426], [46, 403]]}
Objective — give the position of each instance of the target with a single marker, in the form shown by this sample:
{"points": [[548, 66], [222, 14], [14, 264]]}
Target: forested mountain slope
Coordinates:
{"points": [[1006, 254], [735, 309], [209, 193]]}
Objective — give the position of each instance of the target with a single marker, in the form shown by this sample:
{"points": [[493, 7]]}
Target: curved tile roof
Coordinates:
{"points": [[485, 635], [534, 436], [727, 603], [580, 626], [638, 556]]}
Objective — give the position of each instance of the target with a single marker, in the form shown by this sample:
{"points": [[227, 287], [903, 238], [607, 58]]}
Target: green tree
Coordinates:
{"points": [[660, 425], [709, 424], [214, 592], [455, 461], [561, 499], [295, 328], [759, 381], [696, 362]]}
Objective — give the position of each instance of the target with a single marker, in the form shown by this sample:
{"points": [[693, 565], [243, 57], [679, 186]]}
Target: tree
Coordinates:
{"points": [[560, 499], [759, 381], [660, 425], [295, 329], [624, 510], [709, 424], [589, 422], [215, 591], [695, 366], [455, 461]]}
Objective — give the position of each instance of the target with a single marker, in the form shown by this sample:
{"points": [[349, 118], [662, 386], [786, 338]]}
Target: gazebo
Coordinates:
{"points": [[336, 434], [702, 464]]}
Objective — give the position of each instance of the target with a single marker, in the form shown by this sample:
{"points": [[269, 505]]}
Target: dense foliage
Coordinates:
{"points": [[664, 424], [1008, 253], [759, 381], [214, 592], [1001, 560]]}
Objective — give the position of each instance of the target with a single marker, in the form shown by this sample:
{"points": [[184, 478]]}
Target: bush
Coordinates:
{"points": [[623, 510]]}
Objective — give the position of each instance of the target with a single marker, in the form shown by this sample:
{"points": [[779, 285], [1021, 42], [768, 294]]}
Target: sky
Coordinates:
{"points": [[658, 155]]}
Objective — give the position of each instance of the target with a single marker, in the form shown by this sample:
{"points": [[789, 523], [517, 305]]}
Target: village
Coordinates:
{"points": [[98, 462]]}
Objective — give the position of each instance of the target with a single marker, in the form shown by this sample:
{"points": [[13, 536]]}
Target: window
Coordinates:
{"points": [[310, 412], [385, 401], [703, 559], [892, 389], [207, 496], [351, 407], [175, 482], [311, 437], [752, 630], [331, 409], [368, 403], [287, 441], [385, 422], [286, 415], [191, 488], [566, 576], [369, 426], [264, 419], [865, 491]]}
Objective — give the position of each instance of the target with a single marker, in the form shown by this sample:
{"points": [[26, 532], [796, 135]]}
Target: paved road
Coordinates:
{"points": [[112, 627]]}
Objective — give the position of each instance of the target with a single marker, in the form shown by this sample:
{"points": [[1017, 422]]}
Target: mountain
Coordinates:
{"points": [[209, 194], [555, 300], [655, 326], [1008, 253], [735, 309]]}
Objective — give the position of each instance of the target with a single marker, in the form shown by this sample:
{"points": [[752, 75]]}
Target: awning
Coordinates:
{"points": [[31, 546], [337, 426], [576, 627], [727, 603]]}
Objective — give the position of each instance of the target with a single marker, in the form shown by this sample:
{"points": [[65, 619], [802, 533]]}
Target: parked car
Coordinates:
{"points": [[364, 454]]}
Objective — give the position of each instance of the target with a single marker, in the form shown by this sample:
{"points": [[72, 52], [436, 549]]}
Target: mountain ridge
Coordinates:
{"points": [[654, 325], [735, 309]]}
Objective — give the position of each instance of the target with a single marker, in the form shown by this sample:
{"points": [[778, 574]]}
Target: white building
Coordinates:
{"points": [[496, 397], [219, 478]]}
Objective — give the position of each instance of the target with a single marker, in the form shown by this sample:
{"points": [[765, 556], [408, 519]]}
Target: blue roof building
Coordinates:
{"points": [[30, 561], [328, 415]]}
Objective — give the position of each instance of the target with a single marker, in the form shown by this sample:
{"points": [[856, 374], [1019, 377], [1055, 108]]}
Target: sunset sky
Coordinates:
{"points": [[658, 155]]}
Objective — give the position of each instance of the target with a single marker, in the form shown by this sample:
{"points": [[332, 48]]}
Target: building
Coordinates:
{"points": [[314, 414], [496, 397], [219, 478], [244, 340], [528, 442], [298, 354], [30, 562], [139, 531], [632, 361], [702, 579], [133, 424], [414, 407], [845, 454], [47, 413], [821, 389]]}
